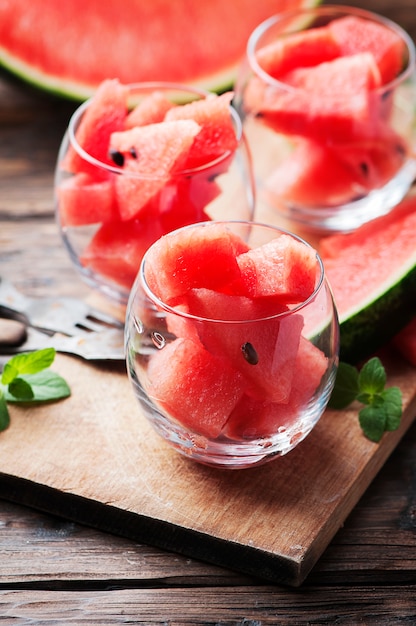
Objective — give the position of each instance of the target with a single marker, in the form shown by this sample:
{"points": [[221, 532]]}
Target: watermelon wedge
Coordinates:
{"points": [[372, 272], [71, 47]]}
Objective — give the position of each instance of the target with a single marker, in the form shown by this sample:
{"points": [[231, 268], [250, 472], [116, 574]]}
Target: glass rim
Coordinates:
{"points": [[328, 9], [183, 314], [152, 86]]}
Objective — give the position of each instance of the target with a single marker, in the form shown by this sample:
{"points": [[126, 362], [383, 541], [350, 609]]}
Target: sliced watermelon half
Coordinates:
{"points": [[372, 272], [70, 48]]}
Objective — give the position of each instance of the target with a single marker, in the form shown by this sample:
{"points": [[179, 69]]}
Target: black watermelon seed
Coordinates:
{"points": [[117, 157], [133, 152], [364, 168], [250, 353]]}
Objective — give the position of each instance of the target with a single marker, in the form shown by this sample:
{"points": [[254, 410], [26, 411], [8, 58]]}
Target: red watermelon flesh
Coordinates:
{"points": [[258, 338], [117, 248], [106, 113], [150, 110], [359, 263], [318, 175], [183, 201], [253, 417], [405, 342], [210, 113], [305, 49], [330, 102], [273, 341], [83, 42], [85, 200], [197, 388], [151, 154], [202, 257], [283, 268], [354, 35]]}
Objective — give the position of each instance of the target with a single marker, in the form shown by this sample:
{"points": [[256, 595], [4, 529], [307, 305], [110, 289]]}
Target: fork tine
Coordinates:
{"points": [[104, 319]]}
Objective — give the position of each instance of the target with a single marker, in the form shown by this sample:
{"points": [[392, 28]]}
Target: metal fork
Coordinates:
{"points": [[104, 345], [53, 314]]}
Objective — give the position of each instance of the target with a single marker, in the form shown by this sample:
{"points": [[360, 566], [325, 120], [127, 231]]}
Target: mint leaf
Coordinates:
{"points": [[9, 373], [20, 389], [31, 362], [383, 408], [27, 378], [372, 421], [393, 407], [372, 377], [346, 387], [4, 413], [45, 386]]}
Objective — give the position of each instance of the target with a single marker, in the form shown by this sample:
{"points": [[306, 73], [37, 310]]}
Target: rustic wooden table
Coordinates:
{"points": [[55, 571]]}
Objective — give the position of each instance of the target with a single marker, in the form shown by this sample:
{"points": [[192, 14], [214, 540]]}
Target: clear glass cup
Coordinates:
{"points": [[233, 386], [335, 147], [104, 244]]}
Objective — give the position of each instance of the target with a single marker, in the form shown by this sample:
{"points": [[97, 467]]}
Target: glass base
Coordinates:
{"points": [[229, 453]]}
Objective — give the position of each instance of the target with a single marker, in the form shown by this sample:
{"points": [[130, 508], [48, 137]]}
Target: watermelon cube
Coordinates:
{"points": [[117, 248], [300, 49], [150, 154], [314, 175], [263, 348], [85, 200], [257, 417], [283, 268], [354, 35], [217, 136], [191, 258], [183, 200], [197, 389], [150, 110], [330, 102], [106, 113]]}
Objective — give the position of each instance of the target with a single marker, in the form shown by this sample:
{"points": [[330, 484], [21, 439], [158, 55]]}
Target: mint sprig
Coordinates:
{"points": [[383, 406], [26, 378]]}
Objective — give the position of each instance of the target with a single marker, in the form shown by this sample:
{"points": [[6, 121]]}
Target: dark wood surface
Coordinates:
{"points": [[55, 571]]}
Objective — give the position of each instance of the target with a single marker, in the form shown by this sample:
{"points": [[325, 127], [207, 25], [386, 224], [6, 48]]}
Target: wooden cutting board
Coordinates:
{"points": [[94, 459]]}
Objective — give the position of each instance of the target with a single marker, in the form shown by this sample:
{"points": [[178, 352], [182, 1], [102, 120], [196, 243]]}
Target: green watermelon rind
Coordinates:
{"points": [[372, 324], [219, 83]]}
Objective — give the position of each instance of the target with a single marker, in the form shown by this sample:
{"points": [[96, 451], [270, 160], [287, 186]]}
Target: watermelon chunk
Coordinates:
{"points": [[330, 102], [316, 174], [105, 114], [263, 350], [303, 49], [254, 418], [196, 388], [85, 200], [186, 259], [151, 110], [354, 35], [117, 248], [150, 154], [217, 136], [283, 268]]}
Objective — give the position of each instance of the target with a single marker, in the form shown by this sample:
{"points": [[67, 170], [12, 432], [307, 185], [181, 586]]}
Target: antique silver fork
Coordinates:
{"points": [[53, 314]]}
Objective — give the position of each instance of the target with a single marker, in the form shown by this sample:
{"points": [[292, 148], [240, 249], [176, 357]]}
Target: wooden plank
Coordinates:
{"points": [[94, 459], [377, 544], [234, 606]]}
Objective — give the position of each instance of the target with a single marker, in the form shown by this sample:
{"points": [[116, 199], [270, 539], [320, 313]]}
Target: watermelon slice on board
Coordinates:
{"points": [[71, 47], [372, 272]]}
